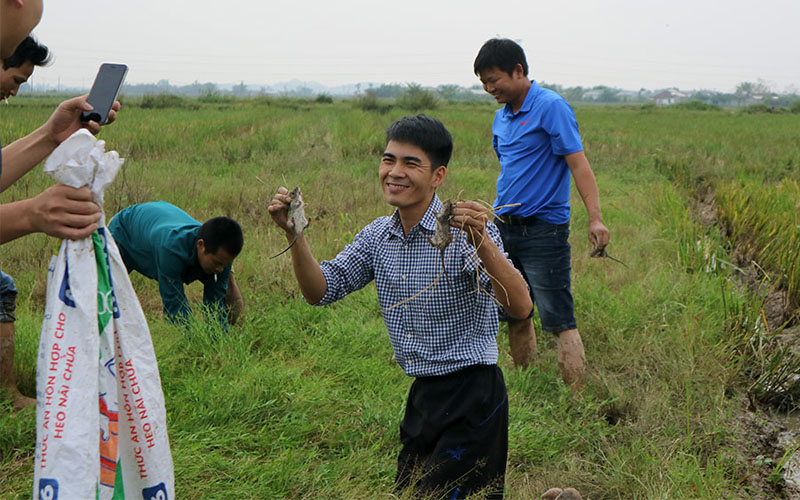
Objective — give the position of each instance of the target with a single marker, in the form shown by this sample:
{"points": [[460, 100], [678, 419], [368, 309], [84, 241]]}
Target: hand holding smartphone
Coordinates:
{"points": [[105, 90]]}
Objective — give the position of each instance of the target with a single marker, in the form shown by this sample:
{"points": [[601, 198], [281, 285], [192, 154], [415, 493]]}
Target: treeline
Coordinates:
{"points": [[747, 94]]}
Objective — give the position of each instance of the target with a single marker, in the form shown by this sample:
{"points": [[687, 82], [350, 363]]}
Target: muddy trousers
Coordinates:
{"points": [[455, 435]]}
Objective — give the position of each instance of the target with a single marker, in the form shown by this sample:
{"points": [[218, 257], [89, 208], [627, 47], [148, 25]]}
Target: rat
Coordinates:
{"points": [[601, 252], [559, 494], [442, 235], [296, 217]]}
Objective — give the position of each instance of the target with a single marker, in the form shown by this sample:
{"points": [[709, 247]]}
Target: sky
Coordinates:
{"points": [[630, 44]]}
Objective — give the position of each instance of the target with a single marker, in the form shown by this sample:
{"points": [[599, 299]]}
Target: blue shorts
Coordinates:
{"points": [[541, 252], [8, 298]]}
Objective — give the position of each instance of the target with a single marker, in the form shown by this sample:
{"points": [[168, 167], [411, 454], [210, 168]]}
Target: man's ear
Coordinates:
{"points": [[439, 175], [201, 246]]}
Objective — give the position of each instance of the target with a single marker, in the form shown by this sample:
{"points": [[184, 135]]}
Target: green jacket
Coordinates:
{"points": [[159, 240]]}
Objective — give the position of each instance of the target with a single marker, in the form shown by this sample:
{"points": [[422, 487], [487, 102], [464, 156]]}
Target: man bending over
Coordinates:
{"points": [[166, 244]]}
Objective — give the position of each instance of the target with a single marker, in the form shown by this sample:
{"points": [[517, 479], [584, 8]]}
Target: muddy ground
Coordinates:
{"points": [[769, 435]]}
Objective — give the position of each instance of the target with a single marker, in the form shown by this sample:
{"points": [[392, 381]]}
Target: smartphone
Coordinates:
{"points": [[105, 90]]}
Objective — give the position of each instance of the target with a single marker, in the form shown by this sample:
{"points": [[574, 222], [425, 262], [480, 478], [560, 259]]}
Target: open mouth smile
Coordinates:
{"points": [[396, 188]]}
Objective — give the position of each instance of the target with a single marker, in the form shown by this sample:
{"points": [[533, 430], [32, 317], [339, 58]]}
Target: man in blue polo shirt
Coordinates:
{"points": [[166, 244], [536, 139]]}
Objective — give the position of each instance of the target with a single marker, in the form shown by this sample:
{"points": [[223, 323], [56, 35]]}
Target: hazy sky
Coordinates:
{"points": [[631, 44]]}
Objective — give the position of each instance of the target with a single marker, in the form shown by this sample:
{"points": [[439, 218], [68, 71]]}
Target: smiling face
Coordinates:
{"points": [[12, 78], [407, 178], [505, 88]]}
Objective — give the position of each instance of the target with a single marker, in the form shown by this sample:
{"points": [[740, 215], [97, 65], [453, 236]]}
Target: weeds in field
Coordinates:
{"points": [[763, 222], [162, 101], [303, 402], [415, 99], [371, 102]]}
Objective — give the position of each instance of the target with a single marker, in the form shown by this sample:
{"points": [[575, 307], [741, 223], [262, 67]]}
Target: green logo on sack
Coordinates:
{"points": [[105, 294]]}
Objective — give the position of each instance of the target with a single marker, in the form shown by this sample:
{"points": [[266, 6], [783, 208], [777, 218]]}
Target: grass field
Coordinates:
{"points": [[302, 402]]}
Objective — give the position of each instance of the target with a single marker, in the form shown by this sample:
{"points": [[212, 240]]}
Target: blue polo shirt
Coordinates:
{"points": [[531, 145]]}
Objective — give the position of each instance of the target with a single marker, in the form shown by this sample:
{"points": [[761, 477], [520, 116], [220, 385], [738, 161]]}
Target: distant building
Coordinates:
{"points": [[592, 95], [628, 96], [670, 96]]}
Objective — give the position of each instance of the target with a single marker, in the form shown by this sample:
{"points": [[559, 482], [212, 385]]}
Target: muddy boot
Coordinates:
{"points": [[8, 380], [552, 494]]}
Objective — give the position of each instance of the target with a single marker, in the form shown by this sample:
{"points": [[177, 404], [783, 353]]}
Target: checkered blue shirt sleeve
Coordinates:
{"points": [[352, 269]]}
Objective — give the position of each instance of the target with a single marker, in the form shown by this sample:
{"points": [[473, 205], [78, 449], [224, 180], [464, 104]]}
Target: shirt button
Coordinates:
{"points": [[404, 276], [409, 335], [410, 362], [405, 246]]}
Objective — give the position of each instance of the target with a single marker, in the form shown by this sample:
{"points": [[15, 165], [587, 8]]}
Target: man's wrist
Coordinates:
{"points": [[28, 208], [17, 220], [487, 248], [46, 137]]}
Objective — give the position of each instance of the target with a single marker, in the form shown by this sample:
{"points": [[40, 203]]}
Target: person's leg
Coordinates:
{"points": [[414, 438], [545, 257], [8, 379], [470, 416], [522, 341], [521, 333], [571, 358]]}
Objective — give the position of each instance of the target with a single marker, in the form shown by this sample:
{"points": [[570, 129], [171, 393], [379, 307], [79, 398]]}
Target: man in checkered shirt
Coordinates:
{"points": [[455, 428]]}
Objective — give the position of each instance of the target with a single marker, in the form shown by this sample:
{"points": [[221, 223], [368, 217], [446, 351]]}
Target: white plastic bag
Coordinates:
{"points": [[100, 419]]}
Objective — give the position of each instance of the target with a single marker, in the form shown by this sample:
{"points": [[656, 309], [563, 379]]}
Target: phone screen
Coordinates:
{"points": [[105, 90]]}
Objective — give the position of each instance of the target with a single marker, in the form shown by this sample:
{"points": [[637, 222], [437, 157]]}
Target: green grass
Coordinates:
{"points": [[304, 402]]}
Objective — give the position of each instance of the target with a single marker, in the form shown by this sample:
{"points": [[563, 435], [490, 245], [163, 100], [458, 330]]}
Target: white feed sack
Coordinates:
{"points": [[101, 427]]}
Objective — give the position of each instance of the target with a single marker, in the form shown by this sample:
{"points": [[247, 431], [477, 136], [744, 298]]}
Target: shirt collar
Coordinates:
{"points": [[527, 104], [428, 221]]}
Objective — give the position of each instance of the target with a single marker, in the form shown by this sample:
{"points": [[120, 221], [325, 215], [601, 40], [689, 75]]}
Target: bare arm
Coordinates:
{"points": [[306, 268], [60, 211], [233, 300], [22, 155], [508, 284], [587, 187]]}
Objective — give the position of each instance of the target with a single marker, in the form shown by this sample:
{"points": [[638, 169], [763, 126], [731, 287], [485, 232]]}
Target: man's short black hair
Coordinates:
{"points": [[28, 51], [500, 53], [426, 133], [221, 232]]}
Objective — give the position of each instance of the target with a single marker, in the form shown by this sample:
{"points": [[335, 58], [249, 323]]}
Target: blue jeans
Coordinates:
{"points": [[541, 252], [8, 298]]}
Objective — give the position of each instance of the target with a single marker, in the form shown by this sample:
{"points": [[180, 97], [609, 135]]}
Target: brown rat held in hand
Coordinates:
{"points": [[296, 216], [442, 235], [601, 252]]}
